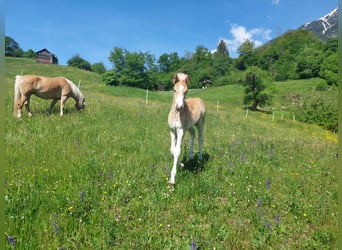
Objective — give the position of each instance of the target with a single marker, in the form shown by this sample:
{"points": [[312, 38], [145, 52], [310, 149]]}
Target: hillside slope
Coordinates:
{"points": [[98, 179]]}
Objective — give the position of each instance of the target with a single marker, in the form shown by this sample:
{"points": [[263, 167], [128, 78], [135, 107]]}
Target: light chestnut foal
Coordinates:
{"points": [[184, 114], [58, 88]]}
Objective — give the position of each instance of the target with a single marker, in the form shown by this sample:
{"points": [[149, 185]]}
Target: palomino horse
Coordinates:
{"points": [[184, 114], [58, 88]]}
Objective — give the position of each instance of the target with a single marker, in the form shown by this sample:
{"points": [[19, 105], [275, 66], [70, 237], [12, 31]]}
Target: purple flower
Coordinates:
{"points": [[268, 183], [11, 240], [193, 245], [259, 203], [55, 227], [277, 219], [82, 196]]}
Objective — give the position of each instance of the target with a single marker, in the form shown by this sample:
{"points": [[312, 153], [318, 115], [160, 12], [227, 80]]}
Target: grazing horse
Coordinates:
{"points": [[58, 88], [184, 114]]}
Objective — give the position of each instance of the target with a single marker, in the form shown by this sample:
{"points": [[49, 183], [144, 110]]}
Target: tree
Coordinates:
{"points": [[221, 60], [98, 68], [12, 48], [308, 63], [258, 91], [329, 69], [168, 62], [78, 62], [247, 55], [133, 69], [222, 48], [29, 54]]}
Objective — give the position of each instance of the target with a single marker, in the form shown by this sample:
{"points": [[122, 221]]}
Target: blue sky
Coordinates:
{"points": [[93, 28]]}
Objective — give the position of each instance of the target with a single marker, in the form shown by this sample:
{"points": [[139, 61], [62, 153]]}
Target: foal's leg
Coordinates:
{"points": [[200, 127], [173, 142], [176, 154], [192, 140], [51, 106]]}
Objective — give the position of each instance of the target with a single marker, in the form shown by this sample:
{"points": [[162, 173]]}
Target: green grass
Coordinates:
{"points": [[98, 179]]}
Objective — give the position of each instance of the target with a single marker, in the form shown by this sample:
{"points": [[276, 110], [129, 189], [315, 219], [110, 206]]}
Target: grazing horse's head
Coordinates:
{"points": [[80, 104], [180, 89]]}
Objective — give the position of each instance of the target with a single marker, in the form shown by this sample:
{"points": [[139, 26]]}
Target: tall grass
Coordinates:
{"points": [[98, 179]]}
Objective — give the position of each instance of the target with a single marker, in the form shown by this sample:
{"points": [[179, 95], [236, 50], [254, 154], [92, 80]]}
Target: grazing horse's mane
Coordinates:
{"points": [[74, 89]]}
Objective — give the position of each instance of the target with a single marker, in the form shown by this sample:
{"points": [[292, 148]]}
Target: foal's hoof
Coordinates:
{"points": [[170, 183]]}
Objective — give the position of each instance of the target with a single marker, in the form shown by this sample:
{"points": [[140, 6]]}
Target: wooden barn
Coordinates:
{"points": [[45, 56]]}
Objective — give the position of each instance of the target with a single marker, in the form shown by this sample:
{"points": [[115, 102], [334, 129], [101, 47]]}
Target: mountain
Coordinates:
{"points": [[325, 27]]}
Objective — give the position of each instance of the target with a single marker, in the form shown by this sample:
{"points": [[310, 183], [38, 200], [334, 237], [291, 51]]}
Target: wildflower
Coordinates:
{"points": [[304, 214], [267, 224], [268, 183], [118, 218], [82, 196], [193, 245], [259, 203], [70, 209], [11, 240], [55, 226], [161, 225], [277, 219]]}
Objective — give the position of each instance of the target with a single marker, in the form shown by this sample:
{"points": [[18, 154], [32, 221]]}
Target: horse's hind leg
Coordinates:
{"points": [[192, 140], [27, 105], [51, 106], [21, 103]]}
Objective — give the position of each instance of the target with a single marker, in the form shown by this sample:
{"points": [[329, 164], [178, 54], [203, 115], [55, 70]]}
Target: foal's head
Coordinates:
{"points": [[180, 89]]}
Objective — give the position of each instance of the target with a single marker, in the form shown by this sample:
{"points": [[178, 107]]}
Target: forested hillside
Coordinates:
{"points": [[297, 54]]}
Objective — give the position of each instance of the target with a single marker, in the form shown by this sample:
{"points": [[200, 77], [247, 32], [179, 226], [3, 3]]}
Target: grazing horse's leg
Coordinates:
{"points": [[51, 106], [192, 140], [63, 100], [176, 154], [27, 105], [21, 103]]}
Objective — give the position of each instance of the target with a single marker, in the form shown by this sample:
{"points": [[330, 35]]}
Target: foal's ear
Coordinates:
{"points": [[175, 78], [187, 79]]}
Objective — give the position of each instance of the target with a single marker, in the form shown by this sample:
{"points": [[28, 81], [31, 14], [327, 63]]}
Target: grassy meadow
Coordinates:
{"points": [[97, 179]]}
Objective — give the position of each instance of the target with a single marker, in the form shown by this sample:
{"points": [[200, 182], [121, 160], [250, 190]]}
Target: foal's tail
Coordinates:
{"points": [[17, 93]]}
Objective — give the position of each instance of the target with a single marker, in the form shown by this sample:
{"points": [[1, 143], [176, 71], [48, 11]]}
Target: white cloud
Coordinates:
{"points": [[240, 34], [275, 1]]}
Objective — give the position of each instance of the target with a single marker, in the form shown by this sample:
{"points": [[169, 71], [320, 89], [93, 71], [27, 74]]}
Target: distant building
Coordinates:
{"points": [[45, 56]]}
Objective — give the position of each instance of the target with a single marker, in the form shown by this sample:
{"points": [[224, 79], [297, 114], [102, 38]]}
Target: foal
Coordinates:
{"points": [[184, 114]]}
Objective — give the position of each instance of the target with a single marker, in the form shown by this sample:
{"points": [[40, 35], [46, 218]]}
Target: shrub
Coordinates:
{"points": [[321, 86], [321, 111]]}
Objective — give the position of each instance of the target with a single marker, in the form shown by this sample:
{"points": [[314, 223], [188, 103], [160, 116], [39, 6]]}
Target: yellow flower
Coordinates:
{"points": [[304, 214], [70, 208]]}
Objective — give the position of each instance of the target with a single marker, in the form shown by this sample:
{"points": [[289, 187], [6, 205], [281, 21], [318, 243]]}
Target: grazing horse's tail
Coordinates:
{"points": [[17, 94]]}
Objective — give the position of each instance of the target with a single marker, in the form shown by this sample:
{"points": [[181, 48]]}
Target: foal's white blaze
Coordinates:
{"points": [[179, 97]]}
